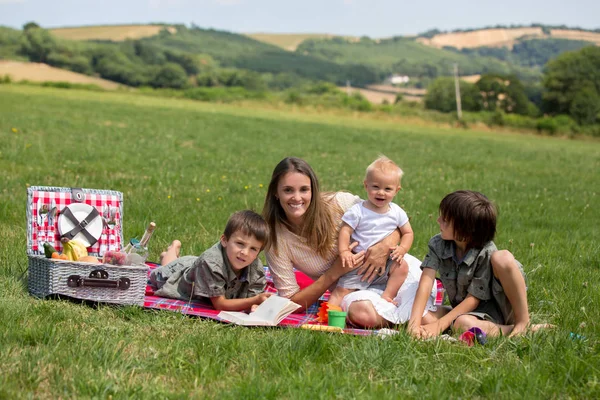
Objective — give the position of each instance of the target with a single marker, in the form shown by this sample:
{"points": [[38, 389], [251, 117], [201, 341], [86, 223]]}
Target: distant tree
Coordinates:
{"points": [[148, 53], [116, 66], [504, 92], [37, 44], [191, 63], [585, 107], [430, 33], [441, 96], [30, 25], [170, 75], [207, 79], [76, 63], [572, 80]]}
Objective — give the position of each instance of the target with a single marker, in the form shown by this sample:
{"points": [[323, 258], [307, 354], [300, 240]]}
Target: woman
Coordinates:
{"points": [[303, 228]]}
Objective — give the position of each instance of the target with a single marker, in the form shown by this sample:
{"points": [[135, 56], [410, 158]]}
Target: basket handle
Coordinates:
{"points": [[98, 278]]}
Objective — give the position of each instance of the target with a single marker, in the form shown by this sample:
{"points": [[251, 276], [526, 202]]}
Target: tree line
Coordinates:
{"points": [[570, 86]]}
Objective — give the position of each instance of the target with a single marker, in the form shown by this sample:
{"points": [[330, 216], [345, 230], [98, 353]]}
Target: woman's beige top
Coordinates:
{"points": [[293, 252]]}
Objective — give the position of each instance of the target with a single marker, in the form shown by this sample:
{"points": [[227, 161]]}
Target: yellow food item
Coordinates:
{"points": [[89, 259], [74, 250], [324, 328]]}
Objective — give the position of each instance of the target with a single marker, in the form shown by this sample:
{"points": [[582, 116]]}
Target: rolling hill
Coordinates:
{"points": [[505, 37], [132, 54], [287, 41], [115, 33], [37, 72]]}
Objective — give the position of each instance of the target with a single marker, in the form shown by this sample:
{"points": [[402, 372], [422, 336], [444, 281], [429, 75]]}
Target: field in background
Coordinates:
{"points": [[188, 165], [37, 72], [378, 94], [504, 37], [116, 33], [287, 41]]}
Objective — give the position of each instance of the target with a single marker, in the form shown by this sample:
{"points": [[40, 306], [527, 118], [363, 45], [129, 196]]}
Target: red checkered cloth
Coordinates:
{"points": [[38, 234], [200, 309]]}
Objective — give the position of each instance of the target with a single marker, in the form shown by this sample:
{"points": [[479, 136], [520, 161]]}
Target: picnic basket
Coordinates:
{"points": [[80, 280]]}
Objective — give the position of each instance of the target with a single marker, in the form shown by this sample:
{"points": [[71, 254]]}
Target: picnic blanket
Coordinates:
{"points": [[200, 309]]}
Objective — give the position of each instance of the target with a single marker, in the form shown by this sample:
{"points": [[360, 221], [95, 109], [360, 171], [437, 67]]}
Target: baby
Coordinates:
{"points": [[367, 223]]}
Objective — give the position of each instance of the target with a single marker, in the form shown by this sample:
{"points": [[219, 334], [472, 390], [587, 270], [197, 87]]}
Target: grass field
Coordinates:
{"points": [[188, 165]]}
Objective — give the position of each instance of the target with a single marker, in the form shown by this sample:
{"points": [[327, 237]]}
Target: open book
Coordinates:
{"points": [[270, 313]]}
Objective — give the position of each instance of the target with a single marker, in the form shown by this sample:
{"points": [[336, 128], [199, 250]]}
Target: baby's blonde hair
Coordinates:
{"points": [[384, 164]]}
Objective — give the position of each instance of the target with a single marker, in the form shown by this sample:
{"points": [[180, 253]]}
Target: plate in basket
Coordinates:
{"points": [[80, 211]]}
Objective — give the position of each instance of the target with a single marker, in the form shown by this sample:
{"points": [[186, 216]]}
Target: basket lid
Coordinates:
{"points": [[48, 209]]}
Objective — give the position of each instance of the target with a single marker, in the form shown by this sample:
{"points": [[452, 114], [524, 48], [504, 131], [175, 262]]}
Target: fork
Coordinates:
{"points": [[112, 223], [42, 218], [51, 230], [105, 238]]}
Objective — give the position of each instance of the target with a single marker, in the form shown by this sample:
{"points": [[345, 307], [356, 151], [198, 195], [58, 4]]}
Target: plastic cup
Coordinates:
{"points": [[336, 318]]}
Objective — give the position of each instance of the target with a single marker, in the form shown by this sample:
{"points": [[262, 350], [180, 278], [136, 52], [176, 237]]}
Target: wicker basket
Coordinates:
{"points": [[96, 282]]}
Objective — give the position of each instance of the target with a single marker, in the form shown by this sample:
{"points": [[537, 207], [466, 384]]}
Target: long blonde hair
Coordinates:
{"points": [[319, 227]]}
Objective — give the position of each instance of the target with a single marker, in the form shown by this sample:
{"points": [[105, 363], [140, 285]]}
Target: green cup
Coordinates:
{"points": [[336, 318]]}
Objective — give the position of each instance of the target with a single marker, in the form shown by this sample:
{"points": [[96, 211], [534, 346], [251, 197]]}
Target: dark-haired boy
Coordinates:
{"points": [[485, 286], [229, 273]]}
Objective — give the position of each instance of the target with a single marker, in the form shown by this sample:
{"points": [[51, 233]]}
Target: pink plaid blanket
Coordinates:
{"points": [[293, 320], [200, 309]]}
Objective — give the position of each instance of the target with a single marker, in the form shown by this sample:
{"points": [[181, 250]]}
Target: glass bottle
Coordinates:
{"points": [[137, 250]]}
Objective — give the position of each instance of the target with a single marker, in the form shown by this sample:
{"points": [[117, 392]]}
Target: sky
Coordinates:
{"points": [[373, 18]]}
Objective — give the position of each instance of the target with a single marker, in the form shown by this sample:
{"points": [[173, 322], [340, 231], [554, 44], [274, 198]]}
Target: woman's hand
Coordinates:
{"points": [[375, 261]]}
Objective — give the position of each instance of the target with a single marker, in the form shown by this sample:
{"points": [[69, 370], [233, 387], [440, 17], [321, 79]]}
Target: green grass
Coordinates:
{"points": [[188, 165]]}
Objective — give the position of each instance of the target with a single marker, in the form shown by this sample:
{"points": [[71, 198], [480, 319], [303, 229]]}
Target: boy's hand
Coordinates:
{"points": [[413, 329], [262, 297], [429, 331], [347, 259]]}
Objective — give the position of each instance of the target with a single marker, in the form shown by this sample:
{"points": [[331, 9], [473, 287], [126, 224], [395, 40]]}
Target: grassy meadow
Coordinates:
{"points": [[189, 165]]}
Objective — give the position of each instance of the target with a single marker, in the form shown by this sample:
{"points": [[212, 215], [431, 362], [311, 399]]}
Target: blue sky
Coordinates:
{"points": [[374, 18]]}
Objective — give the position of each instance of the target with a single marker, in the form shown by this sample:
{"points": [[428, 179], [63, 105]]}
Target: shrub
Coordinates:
{"points": [[293, 97], [70, 85], [496, 118], [221, 94], [79, 64], [520, 121], [547, 124], [170, 75]]}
